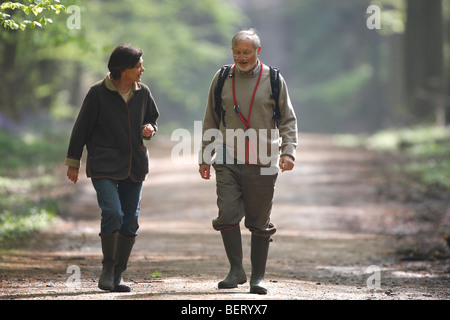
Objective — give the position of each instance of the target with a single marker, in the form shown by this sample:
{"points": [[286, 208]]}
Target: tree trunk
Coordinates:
{"points": [[424, 60], [8, 51]]}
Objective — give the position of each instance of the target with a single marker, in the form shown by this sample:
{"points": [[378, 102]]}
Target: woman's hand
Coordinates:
{"points": [[72, 174], [148, 131]]}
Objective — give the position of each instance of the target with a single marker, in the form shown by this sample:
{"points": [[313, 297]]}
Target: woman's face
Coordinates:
{"points": [[134, 74]]}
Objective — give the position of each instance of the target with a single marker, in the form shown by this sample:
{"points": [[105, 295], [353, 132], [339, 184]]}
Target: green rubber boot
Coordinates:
{"points": [[258, 257], [106, 281], [233, 247], [123, 251]]}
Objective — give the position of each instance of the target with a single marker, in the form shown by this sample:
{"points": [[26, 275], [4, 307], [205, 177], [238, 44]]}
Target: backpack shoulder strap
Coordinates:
{"points": [[224, 71], [275, 83]]}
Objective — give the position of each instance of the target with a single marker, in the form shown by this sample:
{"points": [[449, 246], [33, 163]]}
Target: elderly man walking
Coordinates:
{"points": [[255, 135]]}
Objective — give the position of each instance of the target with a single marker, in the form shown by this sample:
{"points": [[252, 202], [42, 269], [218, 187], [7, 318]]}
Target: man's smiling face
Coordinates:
{"points": [[245, 55]]}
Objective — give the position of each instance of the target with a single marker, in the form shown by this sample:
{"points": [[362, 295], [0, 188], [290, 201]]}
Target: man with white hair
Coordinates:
{"points": [[247, 170]]}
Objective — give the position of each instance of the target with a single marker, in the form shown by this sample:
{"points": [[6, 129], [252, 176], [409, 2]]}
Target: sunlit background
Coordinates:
{"points": [[344, 77]]}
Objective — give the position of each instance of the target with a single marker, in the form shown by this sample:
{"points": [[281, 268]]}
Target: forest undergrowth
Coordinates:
{"points": [[415, 164]]}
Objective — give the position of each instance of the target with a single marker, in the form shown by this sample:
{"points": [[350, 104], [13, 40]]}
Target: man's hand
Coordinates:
{"points": [[205, 171], [286, 163], [72, 174]]}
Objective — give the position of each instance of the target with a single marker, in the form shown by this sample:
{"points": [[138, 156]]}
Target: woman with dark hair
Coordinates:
{"points": [[118, 113]]}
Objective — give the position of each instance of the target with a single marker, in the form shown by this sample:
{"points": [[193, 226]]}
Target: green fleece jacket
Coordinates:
{"points": [[111, 130], [266, 142]]}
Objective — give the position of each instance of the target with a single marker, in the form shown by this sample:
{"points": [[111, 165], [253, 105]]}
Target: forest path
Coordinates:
{"points": [[335, 235]]}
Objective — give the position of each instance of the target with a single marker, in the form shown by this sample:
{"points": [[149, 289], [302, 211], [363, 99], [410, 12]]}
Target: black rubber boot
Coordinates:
{"points": [[232, 242], [258, 257], [123, 251], [106, 281]]}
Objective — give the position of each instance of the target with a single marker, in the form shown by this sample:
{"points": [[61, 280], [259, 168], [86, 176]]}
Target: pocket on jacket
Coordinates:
{"points": [[104, 161]]}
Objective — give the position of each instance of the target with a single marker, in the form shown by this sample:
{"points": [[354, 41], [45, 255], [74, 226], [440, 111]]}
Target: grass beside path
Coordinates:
{"points": [[416, 165], [28, 163], [420, 154]]}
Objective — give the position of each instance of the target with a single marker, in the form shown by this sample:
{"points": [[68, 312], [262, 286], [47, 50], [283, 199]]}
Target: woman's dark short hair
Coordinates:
{"points": [[123, 57]]}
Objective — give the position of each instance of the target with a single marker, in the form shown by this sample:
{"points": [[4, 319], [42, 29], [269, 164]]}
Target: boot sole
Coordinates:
{"points": [[106, 288], [121, 288], [258, 290], [230, 286]]}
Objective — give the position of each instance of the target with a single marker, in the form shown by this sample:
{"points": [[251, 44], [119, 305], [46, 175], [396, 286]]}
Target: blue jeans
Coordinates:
{"points": [[120, 202]]}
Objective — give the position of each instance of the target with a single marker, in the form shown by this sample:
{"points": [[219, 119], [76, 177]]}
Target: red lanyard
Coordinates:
{"points": [[246, 122]]}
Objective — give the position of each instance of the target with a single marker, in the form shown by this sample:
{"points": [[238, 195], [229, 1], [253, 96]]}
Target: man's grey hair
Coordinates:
{"points": [[247, 34]]}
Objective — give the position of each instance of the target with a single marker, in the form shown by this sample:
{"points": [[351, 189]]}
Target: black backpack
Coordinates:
{"points": [[275, 84]]}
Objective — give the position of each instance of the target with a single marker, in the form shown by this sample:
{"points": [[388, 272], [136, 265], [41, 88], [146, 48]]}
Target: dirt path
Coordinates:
{"points": [[332, 227]]}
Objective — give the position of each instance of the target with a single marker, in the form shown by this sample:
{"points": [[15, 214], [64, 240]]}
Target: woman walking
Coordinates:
{"points": [[117, 114]]}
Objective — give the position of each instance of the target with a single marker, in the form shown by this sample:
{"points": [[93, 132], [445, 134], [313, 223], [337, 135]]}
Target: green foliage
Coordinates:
{"points": [[337, 62], [21, 223], [393, 16], [339, 88], [27, 163], [423, 153], [36, 7], [428, 151], [345, 77], [184, 43], [424, 141], [39, 151], [342, 76]]}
